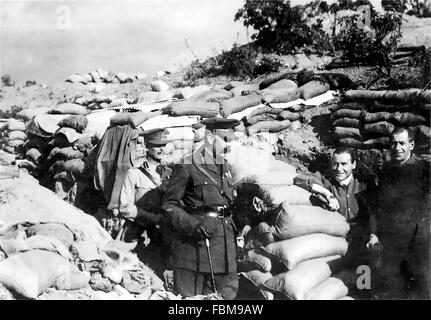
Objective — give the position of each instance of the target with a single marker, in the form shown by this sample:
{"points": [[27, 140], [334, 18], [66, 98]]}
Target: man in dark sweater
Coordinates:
{"points": [[404, 217], [350, 194]]}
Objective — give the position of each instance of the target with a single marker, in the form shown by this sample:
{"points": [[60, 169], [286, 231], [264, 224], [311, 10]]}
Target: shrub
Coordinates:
{"points": [[6, 81], [280, 27], [11, 113], [242, 61], [373, 44]]}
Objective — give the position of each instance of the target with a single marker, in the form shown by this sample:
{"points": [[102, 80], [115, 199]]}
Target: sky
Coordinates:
{"points": [[48, 40]]}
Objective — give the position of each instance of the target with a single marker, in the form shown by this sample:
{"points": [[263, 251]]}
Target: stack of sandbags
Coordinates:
{"points": [[291, 254], [254, 165], [37, 256], [270, 119], [13, 135], [365, 119]]}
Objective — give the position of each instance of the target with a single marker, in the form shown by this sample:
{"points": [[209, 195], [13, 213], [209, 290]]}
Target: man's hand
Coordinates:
{"points": [[201, 232], [333, 203], [374, 245]]}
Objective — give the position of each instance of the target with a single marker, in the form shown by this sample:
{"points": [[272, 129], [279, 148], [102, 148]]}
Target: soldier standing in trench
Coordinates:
{"points": [[140, 201], [404, 220], [197, 207]]}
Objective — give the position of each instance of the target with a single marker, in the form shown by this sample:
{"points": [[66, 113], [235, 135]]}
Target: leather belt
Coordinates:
{"points": [[218, 212]]}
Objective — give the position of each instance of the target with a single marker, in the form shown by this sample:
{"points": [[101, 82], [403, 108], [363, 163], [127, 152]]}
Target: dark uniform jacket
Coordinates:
{"points": [[189, 195], [404, 202]]}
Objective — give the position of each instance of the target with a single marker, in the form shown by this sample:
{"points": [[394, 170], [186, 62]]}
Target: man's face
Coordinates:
{"points": [[156, 152], [219, 140], [401, 148], [342, 166], [140, 153]]}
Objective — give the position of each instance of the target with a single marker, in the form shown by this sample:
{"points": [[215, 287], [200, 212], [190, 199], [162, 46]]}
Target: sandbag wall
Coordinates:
{"points": [[104, 76], [290, 258], [12, 135], [364, 119]]}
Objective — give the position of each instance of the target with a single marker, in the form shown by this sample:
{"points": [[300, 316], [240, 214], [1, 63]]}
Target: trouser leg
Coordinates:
{"points": [[188, 283], [226, 284]]}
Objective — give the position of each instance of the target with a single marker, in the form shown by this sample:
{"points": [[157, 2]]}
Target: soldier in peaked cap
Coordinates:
{"points": [[197, 207]]}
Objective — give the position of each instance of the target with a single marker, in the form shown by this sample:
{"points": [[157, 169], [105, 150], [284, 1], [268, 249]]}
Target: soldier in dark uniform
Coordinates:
{"points": [[404, 218], [197, 207]]}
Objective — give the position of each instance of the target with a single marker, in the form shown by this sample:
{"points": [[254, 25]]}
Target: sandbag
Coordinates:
{"points": [[54, 230], [121, 76], [76, 166], [329, 289], [68, 108], [73, 280], [377, 116], [192, 107], [245, 89], [263, 110], [344, 132], [28, 114], [159, 86], [239, 103], [259, 260], [379, 106], [15, 143], [268, 126], [261, 117], [382, 128], [312, 89], [348, 106], [14, 125], [289, 115], [272, 79], [65, 153], [95, 76], [152, 96], [399, 96], [310, 246], [296, 283], [347, 122], [422, 133], [3, 126], [280, 92], [188, 92], [138, 118], [118, 103], [77, 122], [381, 142], [288, 194], [16, 135], [76, 78], [212, 95], [34, 155], [409, 118], [31, 273], [347, 113], [299, 220], [257, 279]]}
